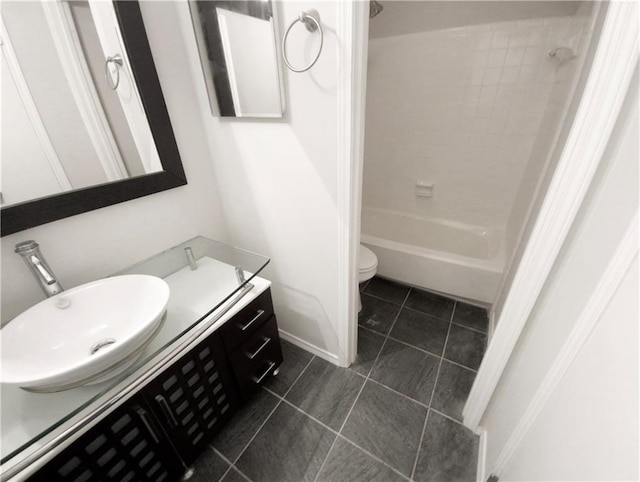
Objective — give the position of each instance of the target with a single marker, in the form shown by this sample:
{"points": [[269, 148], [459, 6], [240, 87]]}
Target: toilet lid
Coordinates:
{"points": [[366, 259]]}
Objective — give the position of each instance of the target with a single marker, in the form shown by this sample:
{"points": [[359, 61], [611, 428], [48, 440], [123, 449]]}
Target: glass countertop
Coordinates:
{"points": [[27, 417]]}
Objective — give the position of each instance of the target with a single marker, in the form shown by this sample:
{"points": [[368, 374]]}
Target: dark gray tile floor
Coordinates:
{"points": [[393, 415]]}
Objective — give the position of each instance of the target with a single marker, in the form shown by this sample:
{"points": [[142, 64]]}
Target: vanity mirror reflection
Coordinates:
{"points": [[85, 123], [238, 49]]}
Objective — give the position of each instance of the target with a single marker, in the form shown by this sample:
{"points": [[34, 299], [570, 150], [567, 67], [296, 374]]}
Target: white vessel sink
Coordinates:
{"points": [[84, 335]]}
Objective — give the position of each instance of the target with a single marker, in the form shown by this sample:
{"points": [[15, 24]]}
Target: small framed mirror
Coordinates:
{"points": [[238, 49]]}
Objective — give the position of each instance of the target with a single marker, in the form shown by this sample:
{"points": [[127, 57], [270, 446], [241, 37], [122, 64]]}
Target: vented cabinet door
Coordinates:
{"points": [[194, 397], [127, 446]]}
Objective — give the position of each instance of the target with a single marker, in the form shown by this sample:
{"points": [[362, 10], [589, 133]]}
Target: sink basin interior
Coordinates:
{"points": [[82, 333]]}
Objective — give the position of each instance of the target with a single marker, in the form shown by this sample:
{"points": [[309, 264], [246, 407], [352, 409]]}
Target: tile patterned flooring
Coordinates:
{"points": [[394, 415]]}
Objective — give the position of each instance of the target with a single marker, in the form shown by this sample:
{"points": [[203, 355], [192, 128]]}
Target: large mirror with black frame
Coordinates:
{"points": [[84, 121]]}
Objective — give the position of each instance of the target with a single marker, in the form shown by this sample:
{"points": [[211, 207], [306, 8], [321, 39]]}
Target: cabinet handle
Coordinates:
{"points": [[266, 341], [259, 379], [167, 411], [142, 413], [252, 321]]}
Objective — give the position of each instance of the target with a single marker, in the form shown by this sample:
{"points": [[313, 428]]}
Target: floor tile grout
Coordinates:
{"points": [[469, 328], [272, 411], [437, 318], [461, 365], [444, 349], [410, 288], [367, 378], [418, 348], [382, 299], [442, 414], [338, 434], [298, 377], [373, 456], [415, 461], [433, 390], [256, 433], [228, 461], [403, 395], [343, 423]]}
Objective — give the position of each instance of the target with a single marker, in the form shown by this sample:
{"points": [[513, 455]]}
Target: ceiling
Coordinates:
{"points": [[404, 17]]}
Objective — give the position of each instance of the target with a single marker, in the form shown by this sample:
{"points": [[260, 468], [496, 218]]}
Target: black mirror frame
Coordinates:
{"points": [[52, 208]]}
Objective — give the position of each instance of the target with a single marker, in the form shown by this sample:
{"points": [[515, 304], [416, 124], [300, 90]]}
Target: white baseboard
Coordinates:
{"points": [[481, 473], [305, 345], [492, 324]]}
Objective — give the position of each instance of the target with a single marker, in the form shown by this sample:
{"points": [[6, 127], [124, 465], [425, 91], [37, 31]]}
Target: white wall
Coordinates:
{"points": [[462, 108], [95, 244], [609, 207], [26, 172], [278, 181], [596, 406]]}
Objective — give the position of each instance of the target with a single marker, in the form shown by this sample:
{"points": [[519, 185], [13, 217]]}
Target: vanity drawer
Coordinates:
{"points": [[238, 330], [257, 358]]}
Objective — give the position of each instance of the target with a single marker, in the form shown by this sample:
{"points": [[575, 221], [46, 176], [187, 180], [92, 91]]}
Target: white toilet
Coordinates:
{"points": [[367, 265]]}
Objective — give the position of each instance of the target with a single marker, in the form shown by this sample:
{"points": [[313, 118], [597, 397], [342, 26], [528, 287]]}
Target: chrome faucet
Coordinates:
{"points": [[30, 252]]}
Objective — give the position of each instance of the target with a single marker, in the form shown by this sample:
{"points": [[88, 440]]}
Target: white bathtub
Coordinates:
{"points": [[461, 260]]}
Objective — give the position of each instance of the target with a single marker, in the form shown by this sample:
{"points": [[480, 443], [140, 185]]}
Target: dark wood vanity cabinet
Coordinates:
{"points": [[126, 446], [194, 397], [165, 426]]}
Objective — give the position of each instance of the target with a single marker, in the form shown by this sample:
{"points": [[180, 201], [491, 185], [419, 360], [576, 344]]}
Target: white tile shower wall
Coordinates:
{"points": [[555, 128], [459, 107], [548, 143]]}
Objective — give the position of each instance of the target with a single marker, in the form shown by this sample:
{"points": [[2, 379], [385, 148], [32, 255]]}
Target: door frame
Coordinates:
{"points": [[353, 32], [67, 42], [613, 66], [609, 78]]}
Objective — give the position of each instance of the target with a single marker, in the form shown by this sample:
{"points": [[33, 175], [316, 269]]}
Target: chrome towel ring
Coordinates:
{"points": [[311, 20], [117, 60]]}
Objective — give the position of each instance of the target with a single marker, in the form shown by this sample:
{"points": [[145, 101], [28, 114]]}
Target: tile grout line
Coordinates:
{"points": [[255, 435], [375, 457], [341, 427], [417, 402], [366, 379], [338, 435], [424, 429], [469, 369], [433, 391], [469, 328], [298, 377], [449, 417], [219, 454], [419, 348], [270, 413], [228, 461], [440, 362], [380, 298]]}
